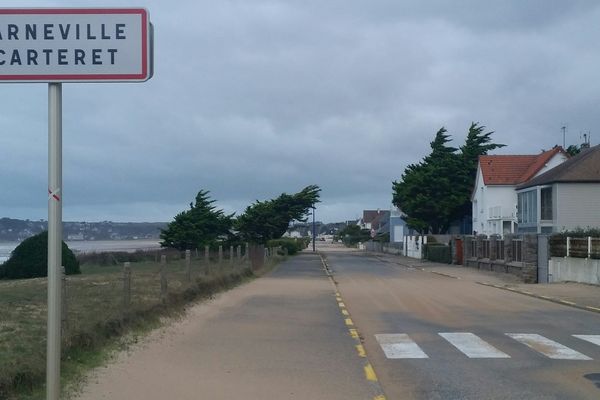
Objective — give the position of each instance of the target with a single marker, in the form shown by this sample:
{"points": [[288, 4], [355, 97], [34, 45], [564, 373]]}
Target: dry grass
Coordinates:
{"points": [[95, 313]]}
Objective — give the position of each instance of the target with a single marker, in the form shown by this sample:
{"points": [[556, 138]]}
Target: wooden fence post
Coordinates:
{"points": [[126, 287], [206, 260], [230, 255], [220, 254], [238, 253], [188, 265], [163, 278]]}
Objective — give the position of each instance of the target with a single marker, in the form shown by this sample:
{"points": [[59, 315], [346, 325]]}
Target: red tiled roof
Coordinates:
{"points": [[514, 169]]}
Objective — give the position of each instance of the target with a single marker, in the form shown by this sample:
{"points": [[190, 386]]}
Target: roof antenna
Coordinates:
{"points": [[586, 141], [564, 130]]}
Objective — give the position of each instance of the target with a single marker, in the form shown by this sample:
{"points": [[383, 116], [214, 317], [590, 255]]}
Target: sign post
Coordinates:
{"points": [[54, 239], [69, 45]]}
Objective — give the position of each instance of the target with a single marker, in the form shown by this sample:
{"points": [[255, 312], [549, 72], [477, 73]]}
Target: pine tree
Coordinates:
{"points": [[201, 225], [267, 220], [436, 192]]}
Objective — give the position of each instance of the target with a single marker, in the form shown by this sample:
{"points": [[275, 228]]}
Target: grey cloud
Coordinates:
{"points": [[251, 99]]}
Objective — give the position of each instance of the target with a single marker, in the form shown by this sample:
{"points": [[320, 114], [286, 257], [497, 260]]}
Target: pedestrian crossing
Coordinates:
{"points": [[402, 346]]}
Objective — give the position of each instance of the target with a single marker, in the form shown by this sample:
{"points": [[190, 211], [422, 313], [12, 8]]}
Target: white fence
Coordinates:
{"points": [[413, 246]]}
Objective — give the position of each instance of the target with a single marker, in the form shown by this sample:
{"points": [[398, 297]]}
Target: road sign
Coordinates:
{"points": [[75, 45]]}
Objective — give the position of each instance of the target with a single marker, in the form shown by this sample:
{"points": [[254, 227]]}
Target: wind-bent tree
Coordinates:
{"points": [[426, 191], [266, 220], [436, 191], [477, 143], [201, 225]]}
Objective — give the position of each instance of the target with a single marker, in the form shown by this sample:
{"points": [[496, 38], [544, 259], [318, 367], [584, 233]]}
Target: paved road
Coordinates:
{"points": [[432, 337], [279, 337]]}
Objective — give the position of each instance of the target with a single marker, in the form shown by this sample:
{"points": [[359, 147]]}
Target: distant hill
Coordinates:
{"points": [[16, 230]]}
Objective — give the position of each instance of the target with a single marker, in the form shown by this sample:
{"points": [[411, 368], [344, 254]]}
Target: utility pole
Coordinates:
{"points": [[314, 231], [564, 130]]}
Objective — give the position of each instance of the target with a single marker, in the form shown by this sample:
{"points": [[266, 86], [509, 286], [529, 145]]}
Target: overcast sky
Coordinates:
{"points": [[252, 98]]}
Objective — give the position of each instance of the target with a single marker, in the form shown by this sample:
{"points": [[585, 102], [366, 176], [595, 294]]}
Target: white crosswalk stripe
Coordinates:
{"points": [[595, 339], [472, 345], [402, 346], [547, 347], [399, 345]]}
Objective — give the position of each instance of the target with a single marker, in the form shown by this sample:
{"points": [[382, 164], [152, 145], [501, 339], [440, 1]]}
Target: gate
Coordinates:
{"points": [[458, 243]]}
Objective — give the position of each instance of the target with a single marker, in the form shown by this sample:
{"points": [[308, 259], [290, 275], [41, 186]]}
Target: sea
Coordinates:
{"points": [[90, 246]]}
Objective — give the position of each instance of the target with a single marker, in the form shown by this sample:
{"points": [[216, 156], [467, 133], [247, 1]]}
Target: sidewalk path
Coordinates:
{"points": [[572, 294], [279, 337]]}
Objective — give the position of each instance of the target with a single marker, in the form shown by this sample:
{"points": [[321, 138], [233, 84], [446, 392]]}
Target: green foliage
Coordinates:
{"points": [[292, 245], [197, 227], [438, 252], [477, 143], [578, 233], [30, 259], [352, 234], [266, 220], [436, 191], [573, 150]]}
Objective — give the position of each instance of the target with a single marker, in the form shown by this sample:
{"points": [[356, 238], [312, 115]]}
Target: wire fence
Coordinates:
{"points": [[106, 299]]}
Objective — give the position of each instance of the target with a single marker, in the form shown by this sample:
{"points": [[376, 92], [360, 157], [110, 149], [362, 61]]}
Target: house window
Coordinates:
{"points": [[527, 206], [546, 203]]}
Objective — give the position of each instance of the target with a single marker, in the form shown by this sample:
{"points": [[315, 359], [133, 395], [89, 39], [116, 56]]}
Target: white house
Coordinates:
{"points": [[565, 198], [494, 198]]}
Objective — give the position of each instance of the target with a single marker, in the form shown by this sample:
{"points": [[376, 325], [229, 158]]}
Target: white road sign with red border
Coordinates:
{"points": [[75, 45]]}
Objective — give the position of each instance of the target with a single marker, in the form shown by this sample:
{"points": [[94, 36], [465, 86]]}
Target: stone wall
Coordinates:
{"points": [[522, 263]]}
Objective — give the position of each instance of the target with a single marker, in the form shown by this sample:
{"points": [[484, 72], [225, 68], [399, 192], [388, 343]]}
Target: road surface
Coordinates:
{"points": [[384, 332], [432, 337], [279, 337]]}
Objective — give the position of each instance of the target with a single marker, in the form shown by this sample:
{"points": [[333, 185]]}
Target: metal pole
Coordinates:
{"points": [[54, 239], [314, 231]]}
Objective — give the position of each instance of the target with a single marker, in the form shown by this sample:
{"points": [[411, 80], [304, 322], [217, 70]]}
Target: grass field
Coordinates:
{"points": [[95, 314]]}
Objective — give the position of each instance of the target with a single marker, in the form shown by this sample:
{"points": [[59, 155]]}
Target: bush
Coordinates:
{"points": [[107, 258], [438, 252], [293, 246], [30, 259]]}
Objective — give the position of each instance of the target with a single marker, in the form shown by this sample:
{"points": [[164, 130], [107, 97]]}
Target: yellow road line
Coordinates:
{"points": [[593, 308], [568, 302], [368, 368], [361, 350], [370, 373]]}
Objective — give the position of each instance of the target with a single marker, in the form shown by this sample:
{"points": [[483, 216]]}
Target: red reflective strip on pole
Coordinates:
{"points": [[53, 194]]}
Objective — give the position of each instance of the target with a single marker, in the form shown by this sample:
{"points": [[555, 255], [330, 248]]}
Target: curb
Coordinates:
{"points": [[523, 292], [369, 371], [541, 297]]}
